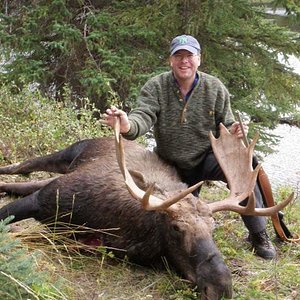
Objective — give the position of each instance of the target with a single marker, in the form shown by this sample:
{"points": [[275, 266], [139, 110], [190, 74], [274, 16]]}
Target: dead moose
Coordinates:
{"points": [[155, 213]]}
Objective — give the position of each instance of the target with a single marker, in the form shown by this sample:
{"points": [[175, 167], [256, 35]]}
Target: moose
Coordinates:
{"points": [[154, 213]]}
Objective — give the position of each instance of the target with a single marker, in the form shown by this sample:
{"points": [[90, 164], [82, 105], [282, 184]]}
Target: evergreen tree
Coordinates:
{"points": [[105, 50]]}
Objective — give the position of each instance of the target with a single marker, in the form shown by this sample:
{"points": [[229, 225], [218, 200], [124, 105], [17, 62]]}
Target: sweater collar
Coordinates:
{"points": [[196, 79]]}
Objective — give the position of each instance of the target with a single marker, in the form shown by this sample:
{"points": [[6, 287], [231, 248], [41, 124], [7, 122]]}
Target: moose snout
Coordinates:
{"points": [[213, 277], [215, 281]]}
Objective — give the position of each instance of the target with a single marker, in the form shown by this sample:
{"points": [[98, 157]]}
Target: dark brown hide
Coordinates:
{"points": [[92, 193]]}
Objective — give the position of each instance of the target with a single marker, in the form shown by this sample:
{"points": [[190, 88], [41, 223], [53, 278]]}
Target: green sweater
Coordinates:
{"points": [[181, 128]]}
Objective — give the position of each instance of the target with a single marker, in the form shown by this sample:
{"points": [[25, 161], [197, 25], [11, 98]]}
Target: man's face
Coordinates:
{"points": [[184, 64]]}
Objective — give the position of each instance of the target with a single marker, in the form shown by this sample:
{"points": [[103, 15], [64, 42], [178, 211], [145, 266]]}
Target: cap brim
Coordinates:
{"points": [[185, 47]]}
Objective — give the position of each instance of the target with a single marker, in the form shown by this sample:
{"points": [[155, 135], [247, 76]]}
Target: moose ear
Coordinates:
{"points": [[138, 178]]}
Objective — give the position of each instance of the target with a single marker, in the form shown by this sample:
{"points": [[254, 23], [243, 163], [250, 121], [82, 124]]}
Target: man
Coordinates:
{"points": [[183, 105]]}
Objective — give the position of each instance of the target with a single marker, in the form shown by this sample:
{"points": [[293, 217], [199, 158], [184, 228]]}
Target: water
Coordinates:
{"points": [[292, 62], [279, 15], [283, 167]]}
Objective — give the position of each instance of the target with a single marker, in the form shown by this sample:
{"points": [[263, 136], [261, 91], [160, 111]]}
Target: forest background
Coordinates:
{"points": [[104, 51]]}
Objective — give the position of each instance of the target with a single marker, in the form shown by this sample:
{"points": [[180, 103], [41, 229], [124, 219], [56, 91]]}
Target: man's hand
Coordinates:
{"points": [[236, 129], [113, 112]]}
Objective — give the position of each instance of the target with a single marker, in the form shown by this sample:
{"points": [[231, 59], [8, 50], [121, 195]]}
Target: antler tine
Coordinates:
{"points": [[269, 211], [148, 201], [231, 204], [235, 160], [168, 202], [134, 190], [119, 146]]}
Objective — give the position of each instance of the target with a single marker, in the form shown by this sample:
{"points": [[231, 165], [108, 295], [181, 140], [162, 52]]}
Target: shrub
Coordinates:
{"points": [[34, 125]]}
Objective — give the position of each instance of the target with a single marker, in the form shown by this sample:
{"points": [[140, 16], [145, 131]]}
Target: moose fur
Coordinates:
{"points": [[92, 192]]}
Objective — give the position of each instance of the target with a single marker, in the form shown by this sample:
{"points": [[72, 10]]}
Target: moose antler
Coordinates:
{"points": [[148, 201], [235, 160]]}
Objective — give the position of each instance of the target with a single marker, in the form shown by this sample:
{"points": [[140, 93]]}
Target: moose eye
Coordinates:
{"points": [[176, 232], [175, 227]]}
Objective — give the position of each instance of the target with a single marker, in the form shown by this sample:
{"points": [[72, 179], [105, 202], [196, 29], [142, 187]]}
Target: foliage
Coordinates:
{"points": [[33, 125], [19, 275], [105, 50]]}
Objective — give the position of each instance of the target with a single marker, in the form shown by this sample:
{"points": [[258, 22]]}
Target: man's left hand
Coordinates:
{"points": [[236, 129]]}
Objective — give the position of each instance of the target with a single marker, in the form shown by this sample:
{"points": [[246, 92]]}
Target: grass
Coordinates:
{"points": [[255, 278], [72, 271]]}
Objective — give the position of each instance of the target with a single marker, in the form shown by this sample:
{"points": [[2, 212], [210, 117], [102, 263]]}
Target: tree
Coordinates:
{"points": [[105, 50]]}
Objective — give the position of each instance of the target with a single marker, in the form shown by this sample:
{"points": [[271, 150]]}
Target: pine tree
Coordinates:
{"points": [[105, 50]]}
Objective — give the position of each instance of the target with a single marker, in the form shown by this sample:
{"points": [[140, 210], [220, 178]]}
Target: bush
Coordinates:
{"points": [[34, 125]]}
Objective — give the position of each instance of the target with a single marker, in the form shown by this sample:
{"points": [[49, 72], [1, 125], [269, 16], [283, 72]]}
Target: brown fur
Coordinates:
{"points": [[92, 193]]}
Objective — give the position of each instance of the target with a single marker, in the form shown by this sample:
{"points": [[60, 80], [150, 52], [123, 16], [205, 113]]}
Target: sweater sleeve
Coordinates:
{"points": [[144, 116], [224, 112]]}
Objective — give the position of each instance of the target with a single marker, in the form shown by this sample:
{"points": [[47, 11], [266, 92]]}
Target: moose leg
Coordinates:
{"points": [[23, 188], [49, 163], [57, 162], [22, 208]]}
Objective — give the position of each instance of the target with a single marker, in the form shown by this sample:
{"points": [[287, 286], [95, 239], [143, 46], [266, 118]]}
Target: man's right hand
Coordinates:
{"points": [[113, 112]]}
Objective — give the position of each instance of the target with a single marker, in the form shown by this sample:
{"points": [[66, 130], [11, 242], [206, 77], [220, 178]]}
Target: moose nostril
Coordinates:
{"points": [[228, 292], [204, 295]]}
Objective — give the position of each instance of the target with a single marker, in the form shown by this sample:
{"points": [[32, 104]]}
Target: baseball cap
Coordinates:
{"points": [[185, 42]]}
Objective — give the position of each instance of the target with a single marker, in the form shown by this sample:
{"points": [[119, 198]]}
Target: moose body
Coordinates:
{"points": [[166, 220], [92, 193]]}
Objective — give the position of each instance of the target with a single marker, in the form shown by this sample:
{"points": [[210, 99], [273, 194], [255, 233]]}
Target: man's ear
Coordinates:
{"points": [[199, 63], [170, 62]]}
